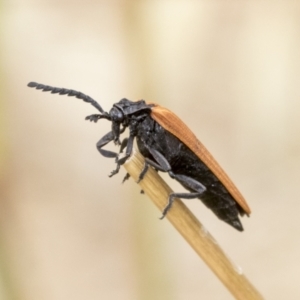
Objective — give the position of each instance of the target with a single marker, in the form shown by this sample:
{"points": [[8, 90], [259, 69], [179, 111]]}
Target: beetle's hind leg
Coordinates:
{"points": [[172, 198], [162, 164], [189, 183]]}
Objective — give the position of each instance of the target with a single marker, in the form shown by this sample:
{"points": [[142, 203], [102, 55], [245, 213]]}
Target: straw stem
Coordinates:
{"points": [[193, 231]]}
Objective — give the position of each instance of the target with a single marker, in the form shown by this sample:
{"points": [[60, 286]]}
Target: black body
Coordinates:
{"points": [[163, 151], [184, 162]]}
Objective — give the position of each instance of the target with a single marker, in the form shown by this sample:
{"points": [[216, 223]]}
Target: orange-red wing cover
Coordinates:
{"points": [[169, 121]]}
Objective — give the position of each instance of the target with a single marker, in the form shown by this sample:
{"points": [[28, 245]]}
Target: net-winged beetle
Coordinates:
{"points": [[169, 146]]}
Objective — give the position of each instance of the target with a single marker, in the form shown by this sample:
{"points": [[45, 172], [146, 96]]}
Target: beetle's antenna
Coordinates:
{"points": [[62, 91]]}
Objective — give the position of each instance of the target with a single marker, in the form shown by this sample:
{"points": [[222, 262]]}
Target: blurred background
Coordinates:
{"points": [[229, 69]]}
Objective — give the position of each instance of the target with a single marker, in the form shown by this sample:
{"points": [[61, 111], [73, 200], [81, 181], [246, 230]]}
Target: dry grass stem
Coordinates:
{"points": [[193, 231]]}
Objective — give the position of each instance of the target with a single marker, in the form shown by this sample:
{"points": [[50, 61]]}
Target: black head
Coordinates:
{"points": [[125, 112]]}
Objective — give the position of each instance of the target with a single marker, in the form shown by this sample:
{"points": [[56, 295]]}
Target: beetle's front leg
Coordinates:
{"points": [[93, 118], [122, 160], [103, 141], [123, 145], [128, 151], [129, 146]]}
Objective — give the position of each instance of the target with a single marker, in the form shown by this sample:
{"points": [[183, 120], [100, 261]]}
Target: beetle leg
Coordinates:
{"points": [[123, 144], [144, 171], [116, 171], [93, 118], [190, 184], [129, 142], [153, 164], [172, 198], [161, 164], [127, 176], [103, 141], [164, 166], [129, 145]]}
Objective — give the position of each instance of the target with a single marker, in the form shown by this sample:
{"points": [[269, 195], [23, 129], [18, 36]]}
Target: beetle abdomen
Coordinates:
{"points": [[173, 124], [217, 198], [184, 161]]}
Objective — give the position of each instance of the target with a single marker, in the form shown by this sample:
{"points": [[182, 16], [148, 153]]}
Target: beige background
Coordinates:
{"points": [[230, 69]]}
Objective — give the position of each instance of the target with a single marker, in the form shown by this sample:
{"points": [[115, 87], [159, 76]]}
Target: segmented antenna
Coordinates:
{"points": [[62, 91]]}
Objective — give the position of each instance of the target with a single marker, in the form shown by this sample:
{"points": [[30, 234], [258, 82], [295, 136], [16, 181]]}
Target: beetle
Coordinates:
{"points": [[168, 145]]}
